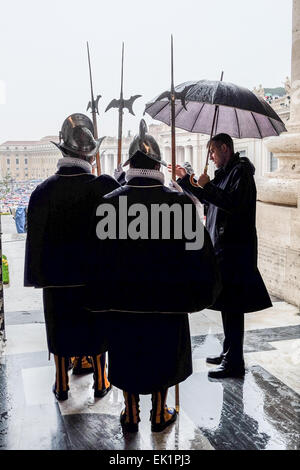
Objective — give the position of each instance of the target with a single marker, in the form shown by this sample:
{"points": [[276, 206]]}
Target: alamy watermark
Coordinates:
{"points": [[166, 222]]}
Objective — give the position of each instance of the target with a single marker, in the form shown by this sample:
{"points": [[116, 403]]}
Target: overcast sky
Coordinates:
{"points": [[44, 72]]}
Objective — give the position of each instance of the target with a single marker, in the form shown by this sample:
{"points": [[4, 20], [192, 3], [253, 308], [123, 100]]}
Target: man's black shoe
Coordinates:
{"points": [[59, 395], [214, 359], [102, 393], [225, 370]]}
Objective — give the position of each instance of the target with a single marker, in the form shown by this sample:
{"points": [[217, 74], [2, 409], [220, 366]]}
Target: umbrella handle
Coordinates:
{"points": [[193, 182]]}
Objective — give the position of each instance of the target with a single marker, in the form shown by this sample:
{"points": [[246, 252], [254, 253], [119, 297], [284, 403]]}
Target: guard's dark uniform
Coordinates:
{"points": [[59, 215], [148, 286]]}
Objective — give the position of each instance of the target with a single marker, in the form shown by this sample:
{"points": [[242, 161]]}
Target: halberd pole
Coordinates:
{"points": [[93, 105], [173, 140], [120, 104]]}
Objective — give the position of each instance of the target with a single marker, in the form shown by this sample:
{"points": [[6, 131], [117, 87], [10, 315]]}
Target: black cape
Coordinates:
{"points": [[59, 214]]}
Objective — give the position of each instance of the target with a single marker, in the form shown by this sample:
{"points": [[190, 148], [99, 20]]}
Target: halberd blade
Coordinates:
{"points": [[113, 104], [179, 95], [129, 103]]}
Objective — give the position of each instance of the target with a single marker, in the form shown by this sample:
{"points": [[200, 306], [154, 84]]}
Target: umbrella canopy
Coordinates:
{"points": [[240, 113]]}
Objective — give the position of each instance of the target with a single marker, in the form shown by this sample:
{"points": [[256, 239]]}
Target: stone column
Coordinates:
{"points": [[278, 209], [196, 158], [180, 154], [191, 155], [295, 70]]}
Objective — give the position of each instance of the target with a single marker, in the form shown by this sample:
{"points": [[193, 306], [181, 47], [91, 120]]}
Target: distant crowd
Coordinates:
{"points": [[18, 195]]}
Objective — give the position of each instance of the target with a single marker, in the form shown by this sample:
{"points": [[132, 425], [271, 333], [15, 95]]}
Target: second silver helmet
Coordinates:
{"points": [[145, 143]]}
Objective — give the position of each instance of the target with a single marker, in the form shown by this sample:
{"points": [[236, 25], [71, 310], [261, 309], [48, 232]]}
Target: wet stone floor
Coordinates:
{"points": [[260, 411]]}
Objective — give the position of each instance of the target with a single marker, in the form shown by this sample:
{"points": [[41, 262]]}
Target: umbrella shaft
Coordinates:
{"points": [[212, 129], [173, 137], [211, 134]]}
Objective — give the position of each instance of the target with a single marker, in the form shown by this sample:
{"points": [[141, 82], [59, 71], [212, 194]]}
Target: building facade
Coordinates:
{"points": [[27, 160]]}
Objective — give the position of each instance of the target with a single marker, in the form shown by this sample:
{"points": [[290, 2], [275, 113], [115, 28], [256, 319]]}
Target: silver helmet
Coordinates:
{"points": [[77, 136], [146, 144]]}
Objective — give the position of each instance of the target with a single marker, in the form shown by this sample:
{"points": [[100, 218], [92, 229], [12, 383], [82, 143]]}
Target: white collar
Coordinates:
{"points": [[70, 161], [144, 173]]}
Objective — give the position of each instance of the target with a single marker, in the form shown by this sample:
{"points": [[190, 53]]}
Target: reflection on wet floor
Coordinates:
{"points": [[257, 412]]}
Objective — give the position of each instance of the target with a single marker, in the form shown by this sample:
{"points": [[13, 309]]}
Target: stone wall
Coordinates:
{"points": [[278, 212], [278, 228]]}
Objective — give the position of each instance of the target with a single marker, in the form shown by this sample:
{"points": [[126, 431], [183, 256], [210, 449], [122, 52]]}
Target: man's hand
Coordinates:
{"points": [[203, 180], [179, 171]]}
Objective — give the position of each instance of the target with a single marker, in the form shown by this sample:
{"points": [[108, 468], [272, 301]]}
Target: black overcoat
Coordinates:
{"points": [[230, 200], [59, 215], [140, 281]]}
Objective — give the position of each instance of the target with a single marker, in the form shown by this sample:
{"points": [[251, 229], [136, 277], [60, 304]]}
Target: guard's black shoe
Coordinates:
{"points": [[170, 416], [59, 394], [225, 370], [128, 426], [102, 393], [214, 359]]}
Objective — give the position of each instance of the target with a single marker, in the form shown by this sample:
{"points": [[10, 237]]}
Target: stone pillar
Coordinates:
{"points": [[278, 209], [191, 155], [196, 158], [167, 153], [295, 70], [180, 155]]}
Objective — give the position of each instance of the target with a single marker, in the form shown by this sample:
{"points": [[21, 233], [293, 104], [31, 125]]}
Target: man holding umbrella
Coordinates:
{"points": [[223, 109], [230, 200]]}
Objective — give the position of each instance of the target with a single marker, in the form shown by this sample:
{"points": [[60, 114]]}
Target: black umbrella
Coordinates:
{"points": [[212, 107], [240, 112]]}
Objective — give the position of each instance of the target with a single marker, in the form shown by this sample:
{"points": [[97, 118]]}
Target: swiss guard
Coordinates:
{"points": [[152, 263], [59, 215]]}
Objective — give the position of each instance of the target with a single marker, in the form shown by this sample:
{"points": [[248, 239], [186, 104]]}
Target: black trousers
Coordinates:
{"points": [[233, 325]]}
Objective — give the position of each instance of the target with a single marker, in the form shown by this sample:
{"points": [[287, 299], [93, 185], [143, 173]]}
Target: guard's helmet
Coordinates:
{"points": [[77, 136], [146, 144]]}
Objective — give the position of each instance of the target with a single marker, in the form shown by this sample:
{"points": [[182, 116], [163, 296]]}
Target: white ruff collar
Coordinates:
{"points": [[70, 161], [144, 173]]}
